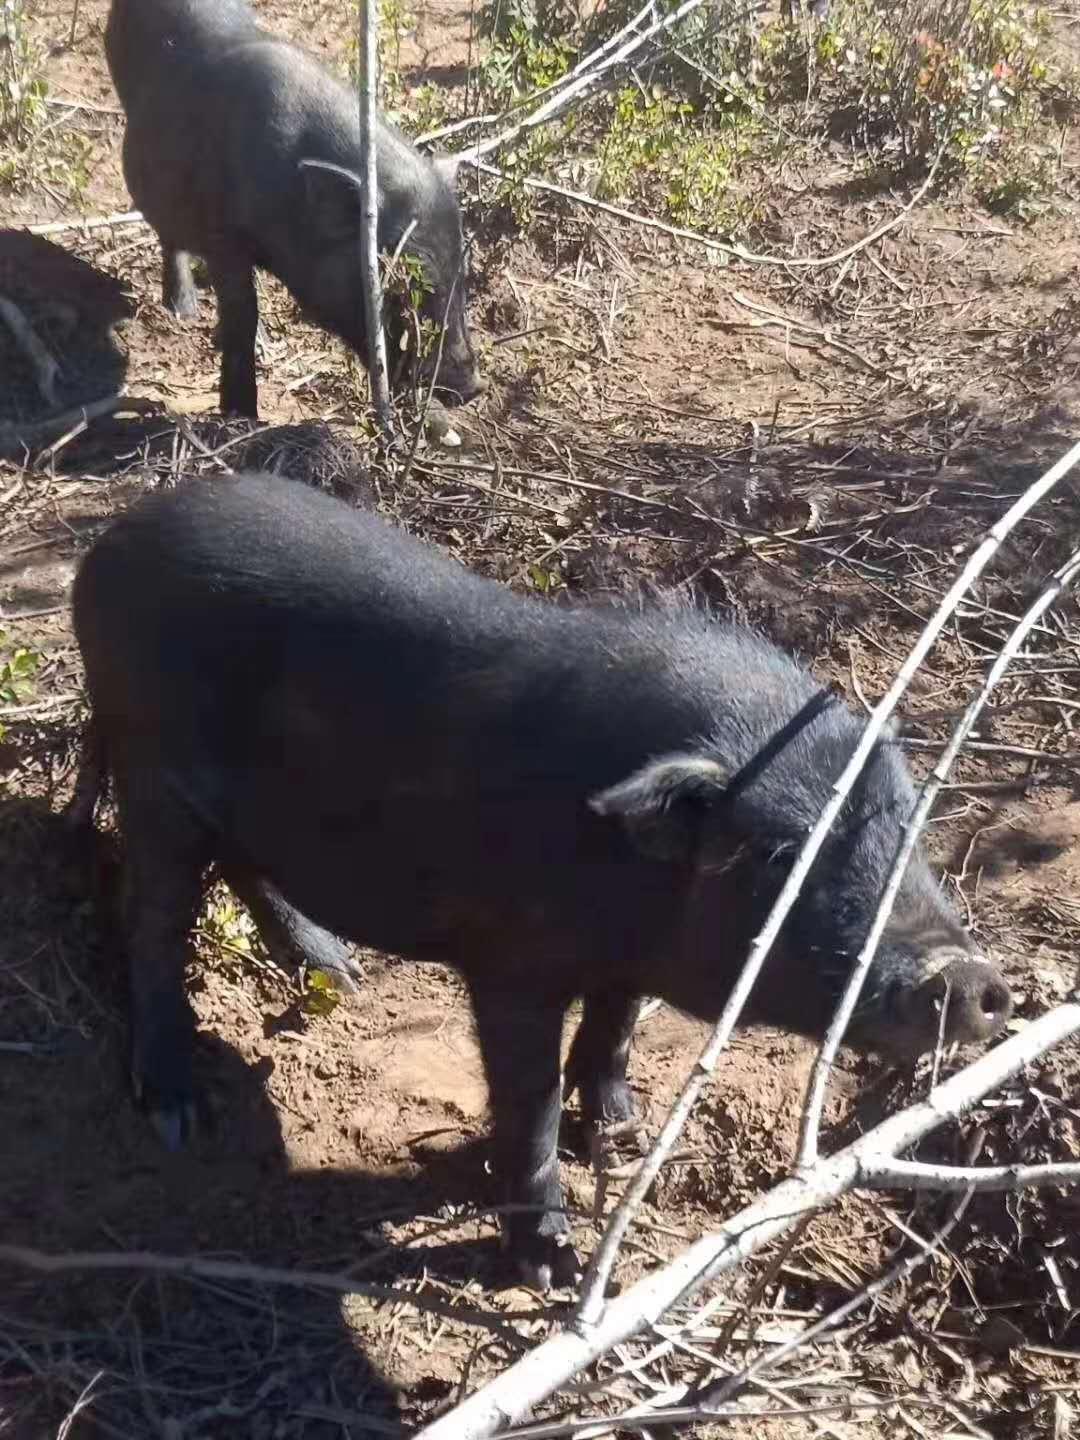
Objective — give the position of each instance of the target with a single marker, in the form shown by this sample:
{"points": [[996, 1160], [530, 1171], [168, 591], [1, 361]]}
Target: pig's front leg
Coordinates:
{"points": [[519, 1040], [238, 313]]}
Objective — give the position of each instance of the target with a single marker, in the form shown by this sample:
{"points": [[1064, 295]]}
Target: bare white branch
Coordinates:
{"points": [[718, 247], [583, 78], [511, 1395], [914, 1175], [91, 222], [815, 1099]]}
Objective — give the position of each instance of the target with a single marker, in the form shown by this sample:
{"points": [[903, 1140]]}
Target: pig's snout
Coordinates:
{"points": [[978, 1004]]}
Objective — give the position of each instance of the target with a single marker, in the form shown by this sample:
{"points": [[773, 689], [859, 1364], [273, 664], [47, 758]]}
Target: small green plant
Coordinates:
{"points": [[429, 109], [227, 925], [1014, 179], [18, 669], [544, 580], [658, 143], [19, 666], [406, 288], [22, 84], [27, 157], [529, 157], [932, 77], [320, 996], [530, 47]]}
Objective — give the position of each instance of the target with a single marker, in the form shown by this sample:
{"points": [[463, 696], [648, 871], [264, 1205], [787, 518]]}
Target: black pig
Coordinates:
{"points": [[242, 149], [560, 802]]}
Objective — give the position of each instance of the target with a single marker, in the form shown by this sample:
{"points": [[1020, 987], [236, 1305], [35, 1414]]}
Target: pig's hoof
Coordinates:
{"points": [[613, 1143], [547, 1265], [337, 961], [167, 1098], [174, 1125]]}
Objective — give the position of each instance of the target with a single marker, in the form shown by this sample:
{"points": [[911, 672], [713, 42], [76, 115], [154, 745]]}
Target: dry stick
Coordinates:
{"points": [[16, 433], [810, 1126], [648, 1421], [716, 1394], [195, 1266], [603, 1259], [95, 222], [774, 317], [367, 83], [865, 1163], [736, 252], [587, 77], [42, 361]]}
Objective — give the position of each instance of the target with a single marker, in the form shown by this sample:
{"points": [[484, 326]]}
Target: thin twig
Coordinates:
{"points": [[589, 73], [92, 222], [197, 1266], [917, 1175], [815, 1100], [680, 232]]}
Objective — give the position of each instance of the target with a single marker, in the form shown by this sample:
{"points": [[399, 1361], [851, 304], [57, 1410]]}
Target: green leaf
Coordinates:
{"points": [[320, 997]]}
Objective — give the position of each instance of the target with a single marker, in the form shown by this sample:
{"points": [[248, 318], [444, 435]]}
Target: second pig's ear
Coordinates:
{"points": [[664, 804], [334, 197]]}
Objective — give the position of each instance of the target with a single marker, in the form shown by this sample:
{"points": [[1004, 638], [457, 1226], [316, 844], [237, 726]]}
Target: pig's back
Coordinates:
{"points": [[144, 36]]}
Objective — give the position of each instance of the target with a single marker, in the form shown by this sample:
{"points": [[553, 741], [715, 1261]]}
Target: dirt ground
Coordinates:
{"points": [[650, 423]]}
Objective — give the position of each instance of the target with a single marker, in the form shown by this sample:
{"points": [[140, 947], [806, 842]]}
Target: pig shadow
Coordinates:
{"points": [[72, 309], [83, 1172]]}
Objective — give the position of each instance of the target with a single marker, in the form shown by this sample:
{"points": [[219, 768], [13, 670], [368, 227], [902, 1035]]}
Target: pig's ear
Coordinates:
{"points": [[447, 166], [334, 197], [664, 804]]}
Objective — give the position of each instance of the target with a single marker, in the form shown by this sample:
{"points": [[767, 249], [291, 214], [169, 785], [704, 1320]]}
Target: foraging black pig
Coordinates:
{"points": [[560, 802], [242, 149]]}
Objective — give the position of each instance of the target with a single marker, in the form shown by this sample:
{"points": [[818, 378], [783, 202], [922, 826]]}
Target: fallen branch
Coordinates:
{"points": [[201, 1268], [680, 232], [774, 317], [865, 1163], [92, 222], [815, 1099], [31, 434]]}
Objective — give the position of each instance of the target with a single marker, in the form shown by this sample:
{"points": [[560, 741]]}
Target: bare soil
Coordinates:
{"points": [[647, 428]]}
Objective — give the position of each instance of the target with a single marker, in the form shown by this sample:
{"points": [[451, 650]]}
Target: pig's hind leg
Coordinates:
{"points": [[178, 291], [290, 937], [596, 1068], [167, 850]]}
